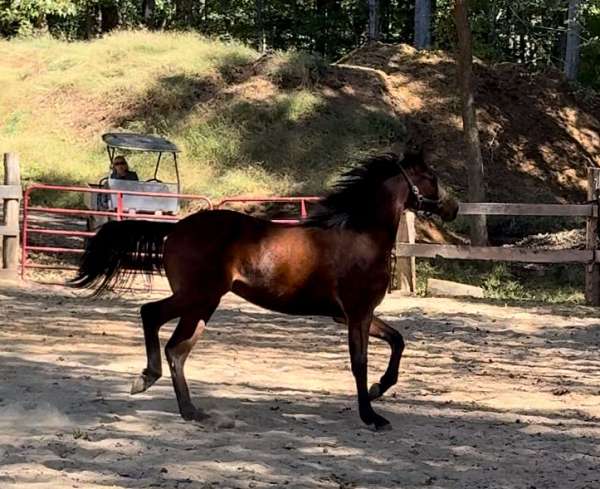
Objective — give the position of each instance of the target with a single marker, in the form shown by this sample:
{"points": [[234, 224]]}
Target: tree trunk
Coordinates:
{"points": [[148, 7], [476, 189], [384, 18], [573, 40], [422, 24], [110, 17], [321, 34], [183, 11], [188, 12], [261, 41], [374, 31], [94, 21]]}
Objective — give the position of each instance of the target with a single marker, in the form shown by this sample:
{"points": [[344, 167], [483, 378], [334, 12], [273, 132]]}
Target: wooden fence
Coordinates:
{"points": [[407, 250], [10, 195]]}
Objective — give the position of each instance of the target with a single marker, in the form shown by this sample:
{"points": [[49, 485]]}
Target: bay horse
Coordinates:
{"points": [[336, 263]]}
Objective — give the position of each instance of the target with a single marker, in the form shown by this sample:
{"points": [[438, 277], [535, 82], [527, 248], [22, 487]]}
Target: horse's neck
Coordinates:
{"points": [[384, 226]]}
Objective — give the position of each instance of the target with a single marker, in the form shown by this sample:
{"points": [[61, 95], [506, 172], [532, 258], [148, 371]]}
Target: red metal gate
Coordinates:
{"points": [[33, 225]]}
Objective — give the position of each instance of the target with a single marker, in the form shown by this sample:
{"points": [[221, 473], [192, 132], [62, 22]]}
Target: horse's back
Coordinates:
{"points": [[276, 266]]}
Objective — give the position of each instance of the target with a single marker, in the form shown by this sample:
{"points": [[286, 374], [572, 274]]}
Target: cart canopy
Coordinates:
{"points": [[139, 142]]}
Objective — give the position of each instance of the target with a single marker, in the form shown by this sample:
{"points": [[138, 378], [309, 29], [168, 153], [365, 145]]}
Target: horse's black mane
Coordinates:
{"points": [[350, 202]]}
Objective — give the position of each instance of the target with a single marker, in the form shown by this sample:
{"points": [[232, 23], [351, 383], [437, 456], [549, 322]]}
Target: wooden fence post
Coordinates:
{"points": [[406, 274], [10, 193], [592, 270]]}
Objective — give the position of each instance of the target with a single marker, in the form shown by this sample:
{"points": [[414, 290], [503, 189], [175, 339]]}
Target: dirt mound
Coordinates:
{"points": [[538, 133]]}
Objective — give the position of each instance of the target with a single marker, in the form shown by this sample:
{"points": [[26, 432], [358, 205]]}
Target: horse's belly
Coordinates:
{"points": [[300, 302]]}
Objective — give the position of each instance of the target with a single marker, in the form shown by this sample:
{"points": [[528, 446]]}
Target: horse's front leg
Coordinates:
{"points": [[383, 331], [379, 329], [358, 341]]}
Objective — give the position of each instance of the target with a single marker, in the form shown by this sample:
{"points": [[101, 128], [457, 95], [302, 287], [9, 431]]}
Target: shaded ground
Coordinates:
{"points": [[489, 397]]}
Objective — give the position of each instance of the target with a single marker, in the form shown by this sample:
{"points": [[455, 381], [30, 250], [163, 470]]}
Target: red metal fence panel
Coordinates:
{"points": [[33, 227]]}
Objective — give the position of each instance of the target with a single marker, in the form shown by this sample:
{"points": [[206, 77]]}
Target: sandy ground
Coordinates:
{"points": [[489, 397]]}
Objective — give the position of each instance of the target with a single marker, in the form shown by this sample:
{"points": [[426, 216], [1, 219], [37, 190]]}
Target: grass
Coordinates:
{"points": [[57, 95], [296, 68], [279, 133], [271, 128], [555, 283]]}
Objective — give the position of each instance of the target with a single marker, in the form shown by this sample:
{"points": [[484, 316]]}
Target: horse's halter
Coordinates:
{"points": [[420, 200]]}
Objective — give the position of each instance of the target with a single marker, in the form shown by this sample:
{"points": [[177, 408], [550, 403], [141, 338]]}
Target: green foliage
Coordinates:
{"points": [[590, 52], [525, 31], [508, 282], [531, 32], [24, 17], [499, 284], [296, 69]]}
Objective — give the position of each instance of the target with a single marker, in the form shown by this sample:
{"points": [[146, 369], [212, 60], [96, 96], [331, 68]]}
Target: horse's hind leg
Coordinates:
{"points": [[154, 315], [186, 334], [381, 330]]}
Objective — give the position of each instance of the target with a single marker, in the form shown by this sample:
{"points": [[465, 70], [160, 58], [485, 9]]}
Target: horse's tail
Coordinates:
{"points": [[118, 251]]}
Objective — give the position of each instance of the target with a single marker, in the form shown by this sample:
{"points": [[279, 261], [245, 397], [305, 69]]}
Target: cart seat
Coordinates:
{"points": [[144, 203]]}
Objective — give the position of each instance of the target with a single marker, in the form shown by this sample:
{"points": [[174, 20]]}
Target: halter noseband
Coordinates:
{"points": [[420, 201]]}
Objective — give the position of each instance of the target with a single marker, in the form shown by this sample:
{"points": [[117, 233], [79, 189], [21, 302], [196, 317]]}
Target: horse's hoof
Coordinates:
{"points": [[225, 424], [379, 423], [383, 427], [375, 391], [142, 383], [194, 414]]}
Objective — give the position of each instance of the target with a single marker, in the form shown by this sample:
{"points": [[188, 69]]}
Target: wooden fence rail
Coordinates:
{"points": [[10, 195], [590, 257], [406, 250], [497, 209]]}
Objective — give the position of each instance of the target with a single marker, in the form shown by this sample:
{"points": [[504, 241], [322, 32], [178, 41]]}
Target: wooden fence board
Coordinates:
{"points": [[10, 242], [6, 230], [527, 255], [500, 209], [592, 270], [11, 192]]}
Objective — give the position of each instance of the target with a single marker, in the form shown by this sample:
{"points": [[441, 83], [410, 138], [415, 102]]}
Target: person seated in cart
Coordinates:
{"points": [[121, 170]]}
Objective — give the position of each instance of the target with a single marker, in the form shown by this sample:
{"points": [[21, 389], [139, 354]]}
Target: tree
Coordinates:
{"points": [[93, 27], [148, 7], [422, 24], [476, 190], [261, 40], [184, 10], [374, 30], [572, 52]]}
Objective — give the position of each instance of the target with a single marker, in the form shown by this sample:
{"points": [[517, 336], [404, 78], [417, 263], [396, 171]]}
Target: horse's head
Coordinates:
{"points": [[426, 193], [372, 194]]}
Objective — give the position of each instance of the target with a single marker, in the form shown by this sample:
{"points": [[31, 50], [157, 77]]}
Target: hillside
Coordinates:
{"points": [[285, 123], [246, 125]]}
